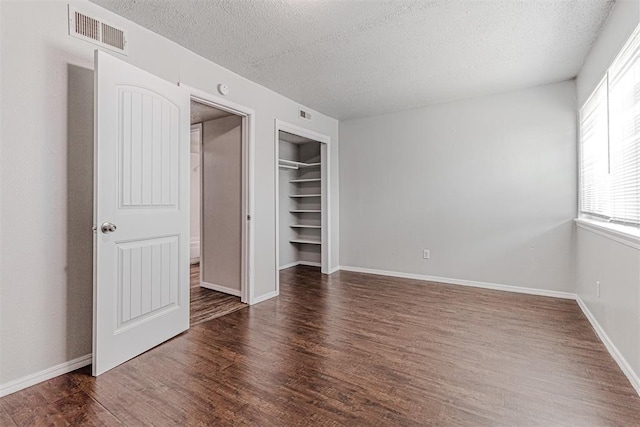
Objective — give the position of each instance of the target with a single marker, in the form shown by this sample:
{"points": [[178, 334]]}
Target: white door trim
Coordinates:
{"points": [[247, 293], [325, 155]]}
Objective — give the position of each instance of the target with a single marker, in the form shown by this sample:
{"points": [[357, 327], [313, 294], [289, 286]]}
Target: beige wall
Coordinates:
{"points": [[222, 202]]}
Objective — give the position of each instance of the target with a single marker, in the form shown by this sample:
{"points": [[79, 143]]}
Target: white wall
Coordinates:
{"points": [[222, 202], [488, 185], [599, 258], [617, 267], [46, 174]]}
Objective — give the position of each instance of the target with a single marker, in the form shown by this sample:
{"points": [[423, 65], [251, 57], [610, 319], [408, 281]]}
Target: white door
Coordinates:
{"points": [[141, 212]]}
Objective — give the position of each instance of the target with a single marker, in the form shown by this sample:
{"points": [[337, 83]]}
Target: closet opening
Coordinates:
{"points": [[301, 200], [216, 206]]}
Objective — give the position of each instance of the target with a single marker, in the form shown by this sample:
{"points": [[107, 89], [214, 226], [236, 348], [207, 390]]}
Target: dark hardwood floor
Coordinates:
{"points": [[356, 349], [207, 304]]}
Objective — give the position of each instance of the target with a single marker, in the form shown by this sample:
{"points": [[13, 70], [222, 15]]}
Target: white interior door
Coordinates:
{"points": [[141, 212]]}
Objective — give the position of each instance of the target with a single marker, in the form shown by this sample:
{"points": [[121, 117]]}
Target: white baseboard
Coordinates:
{"points": [[293, 264], [220, 288], [310, 263], [447, 280], [264, 297], [334, 269], [194, 251], [47, 374], [613, 350]]}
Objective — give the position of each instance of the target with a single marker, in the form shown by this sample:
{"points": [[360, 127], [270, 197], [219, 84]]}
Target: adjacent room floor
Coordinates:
{"points": [[357, 349], [207, 304]]}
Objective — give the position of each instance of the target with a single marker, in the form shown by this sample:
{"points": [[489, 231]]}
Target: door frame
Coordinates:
{"points": [[247, 291], [325, 156]]}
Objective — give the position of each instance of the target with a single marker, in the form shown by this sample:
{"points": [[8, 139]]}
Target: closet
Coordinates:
{"points": [[300, 201]]}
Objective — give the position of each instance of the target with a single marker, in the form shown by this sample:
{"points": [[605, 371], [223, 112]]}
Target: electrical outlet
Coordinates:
{"points": [[598, 288], [426, 254]]}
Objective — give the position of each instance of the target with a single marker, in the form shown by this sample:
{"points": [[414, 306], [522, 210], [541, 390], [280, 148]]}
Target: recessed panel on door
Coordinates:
{"points": [[148, 133]]}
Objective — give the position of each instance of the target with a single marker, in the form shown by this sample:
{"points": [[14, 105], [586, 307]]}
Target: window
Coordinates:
{"points": [[610, 142]]}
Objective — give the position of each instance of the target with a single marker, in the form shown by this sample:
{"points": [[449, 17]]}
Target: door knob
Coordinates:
{"points": [[108, 227]]}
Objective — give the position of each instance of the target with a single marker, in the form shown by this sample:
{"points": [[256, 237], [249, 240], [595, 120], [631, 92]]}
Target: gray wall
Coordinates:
{"points": [[615, 265], [46, 169], [222, 202], [488, 185]]}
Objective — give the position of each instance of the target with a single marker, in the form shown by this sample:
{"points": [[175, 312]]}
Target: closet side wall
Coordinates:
{"points": [[309, 153], [288, 252], [222, 202]]}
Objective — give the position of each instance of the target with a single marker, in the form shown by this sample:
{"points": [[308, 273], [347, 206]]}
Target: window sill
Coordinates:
{"points": [[626, 235]]}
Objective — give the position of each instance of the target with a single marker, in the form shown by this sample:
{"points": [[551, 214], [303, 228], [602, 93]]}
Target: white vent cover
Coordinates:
{"points": [[96, 31], [304, 115]]}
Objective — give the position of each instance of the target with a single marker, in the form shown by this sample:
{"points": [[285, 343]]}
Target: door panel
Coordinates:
{"points": [[141, 289], [148, 281]]}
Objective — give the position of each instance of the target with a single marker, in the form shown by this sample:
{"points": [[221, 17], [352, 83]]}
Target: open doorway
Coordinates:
{"points": [[216, 237]]}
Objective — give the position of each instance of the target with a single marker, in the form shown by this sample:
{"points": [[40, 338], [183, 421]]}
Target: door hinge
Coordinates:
{"points": [[248, 217]]}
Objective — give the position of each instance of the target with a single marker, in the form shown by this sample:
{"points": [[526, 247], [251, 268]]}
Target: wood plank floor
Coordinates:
{"points": [[207, 304], [356, 349]]}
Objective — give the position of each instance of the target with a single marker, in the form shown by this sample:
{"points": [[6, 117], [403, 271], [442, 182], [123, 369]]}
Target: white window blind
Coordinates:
{"points": [[610, 142], [624, 131], [594, 153]]}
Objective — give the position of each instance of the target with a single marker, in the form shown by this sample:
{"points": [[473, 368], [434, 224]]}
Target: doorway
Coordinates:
{"points": [[141, 209], [302, 199], [216, 173]]}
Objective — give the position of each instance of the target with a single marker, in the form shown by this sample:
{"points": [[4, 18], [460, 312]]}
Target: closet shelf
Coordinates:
{"points": [[290, 164], [305, 242], [287, 167], [305, 211], [304, 226], [305, 195], [306, 180]]}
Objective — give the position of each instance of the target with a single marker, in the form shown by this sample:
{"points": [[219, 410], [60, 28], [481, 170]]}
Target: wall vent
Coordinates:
{"points": [[98, 32], [304, 115]]}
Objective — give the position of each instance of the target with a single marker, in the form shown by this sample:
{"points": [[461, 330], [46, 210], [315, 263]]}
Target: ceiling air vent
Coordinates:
{"points": [[96, 31], [304, 115]]}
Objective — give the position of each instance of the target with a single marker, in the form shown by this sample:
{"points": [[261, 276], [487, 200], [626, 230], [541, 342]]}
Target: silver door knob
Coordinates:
{"points": [[108, 227]]}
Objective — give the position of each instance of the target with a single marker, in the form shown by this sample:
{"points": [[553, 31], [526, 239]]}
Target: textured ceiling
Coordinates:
{"points": [[203, 113], [349, 58]]}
